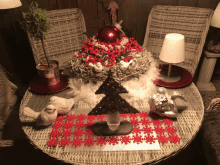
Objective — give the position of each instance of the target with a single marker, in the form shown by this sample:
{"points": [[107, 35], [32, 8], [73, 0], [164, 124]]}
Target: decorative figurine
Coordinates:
{"points": [[124, 65], [97, 67], [46, 117], [163, 103], [63, 105]]}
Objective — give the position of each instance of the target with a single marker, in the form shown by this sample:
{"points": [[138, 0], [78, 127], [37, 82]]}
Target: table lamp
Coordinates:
{"points": [[215, 22], [173, 51], [8, 4]]}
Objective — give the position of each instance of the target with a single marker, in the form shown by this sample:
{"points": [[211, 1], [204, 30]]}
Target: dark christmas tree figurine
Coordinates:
{"points": [[110, 86], [112, 102]]}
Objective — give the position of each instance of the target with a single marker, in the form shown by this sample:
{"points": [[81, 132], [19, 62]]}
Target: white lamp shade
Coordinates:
{"points": [[173, 49], [7, 4], [215, 22]]}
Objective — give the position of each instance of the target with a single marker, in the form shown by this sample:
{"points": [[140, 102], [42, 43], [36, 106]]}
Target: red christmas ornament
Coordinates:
{"points": [[109, 34]]}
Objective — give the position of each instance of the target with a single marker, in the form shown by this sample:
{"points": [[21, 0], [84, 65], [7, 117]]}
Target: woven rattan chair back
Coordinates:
{"points": [[192, 22], [7, 89], [64, 37], [210, 132]]}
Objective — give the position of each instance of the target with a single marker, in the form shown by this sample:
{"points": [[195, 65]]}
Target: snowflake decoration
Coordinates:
{"points": [[143, 114], [113, 140], [134, 121], [68, 125], [171, 130], [57, 125], [159, 130], [66, 133], [70, 117], [162, 139], [77, 142], [168, 121], [64, 142], [147, 130], [55, 133], [81, 117], [89, 141], [157, 122], [149, 139], [90, 123], [145, 122], [101, 141], [174, 138], [89, 132], [132, 116], [52, 142], [78, 132], [60, 118], [137, 139], [125, 139], [100, 117], [136, 130], [91, 118], [79, 124]]}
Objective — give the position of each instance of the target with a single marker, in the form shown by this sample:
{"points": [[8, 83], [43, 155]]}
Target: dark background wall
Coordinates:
{"points": [[15, 51]]}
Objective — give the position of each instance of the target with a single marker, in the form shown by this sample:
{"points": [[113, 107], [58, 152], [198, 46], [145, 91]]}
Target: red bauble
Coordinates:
{"points": [[109, 34]]}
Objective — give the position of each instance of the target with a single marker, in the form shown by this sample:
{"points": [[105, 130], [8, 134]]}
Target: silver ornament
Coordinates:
{"points": [[163, 103]]}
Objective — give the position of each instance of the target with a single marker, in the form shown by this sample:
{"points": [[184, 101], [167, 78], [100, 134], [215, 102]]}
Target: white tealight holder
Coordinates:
{"points": [[112, 125], [113, 120]]}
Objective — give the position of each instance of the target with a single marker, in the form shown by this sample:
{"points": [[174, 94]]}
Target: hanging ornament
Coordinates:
{"points": [[113, 6], [109, 34]]}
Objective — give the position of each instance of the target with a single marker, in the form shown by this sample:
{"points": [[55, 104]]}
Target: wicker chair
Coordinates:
{"points": [[192, 22], [211, 132], [64, 37], [8, 99]]}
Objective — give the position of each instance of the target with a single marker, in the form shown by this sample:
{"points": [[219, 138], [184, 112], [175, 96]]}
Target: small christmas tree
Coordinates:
{"points": [[112, 101]]}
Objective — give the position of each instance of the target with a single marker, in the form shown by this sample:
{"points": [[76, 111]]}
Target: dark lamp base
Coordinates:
{"points": [[101, 129]]}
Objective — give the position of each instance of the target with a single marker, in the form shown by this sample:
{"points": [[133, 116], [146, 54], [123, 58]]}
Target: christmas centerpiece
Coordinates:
{"points": [[111, 49]]}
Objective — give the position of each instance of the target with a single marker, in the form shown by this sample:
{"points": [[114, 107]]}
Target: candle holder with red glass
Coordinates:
{"points": [[49, 79]]}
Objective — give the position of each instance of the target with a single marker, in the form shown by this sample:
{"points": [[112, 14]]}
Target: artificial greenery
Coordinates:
{"points": [[36, 22]]}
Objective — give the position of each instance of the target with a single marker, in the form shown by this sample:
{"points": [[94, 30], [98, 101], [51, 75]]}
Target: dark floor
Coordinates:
{"points": [[23, 153]]}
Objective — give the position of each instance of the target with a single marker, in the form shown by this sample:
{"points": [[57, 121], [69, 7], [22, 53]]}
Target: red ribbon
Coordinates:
{"points": [[113, 6]]}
